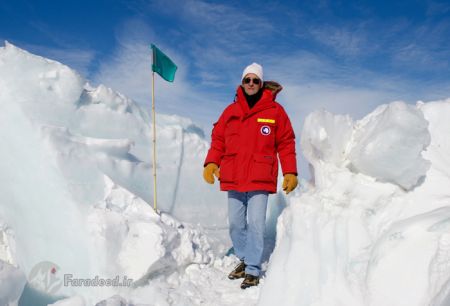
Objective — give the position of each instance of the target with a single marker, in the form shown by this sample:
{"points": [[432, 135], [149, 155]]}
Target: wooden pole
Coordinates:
{"points": [[155, 207]]}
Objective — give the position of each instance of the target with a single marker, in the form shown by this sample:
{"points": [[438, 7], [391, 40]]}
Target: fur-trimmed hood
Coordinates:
{"points": [[273, 86]]}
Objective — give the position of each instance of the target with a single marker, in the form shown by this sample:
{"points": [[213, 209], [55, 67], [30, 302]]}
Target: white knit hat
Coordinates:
{"points": [[253, 68]]}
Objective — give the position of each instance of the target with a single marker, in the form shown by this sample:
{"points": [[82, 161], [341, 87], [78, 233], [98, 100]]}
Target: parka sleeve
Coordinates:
{"points": [[285, 144], [217, 148]]}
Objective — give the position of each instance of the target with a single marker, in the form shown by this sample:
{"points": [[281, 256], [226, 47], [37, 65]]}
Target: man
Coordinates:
{"points": [[246, 142]]}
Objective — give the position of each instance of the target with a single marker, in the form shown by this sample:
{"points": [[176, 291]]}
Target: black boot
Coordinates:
{"points": [[238, 272], [249, 281]]}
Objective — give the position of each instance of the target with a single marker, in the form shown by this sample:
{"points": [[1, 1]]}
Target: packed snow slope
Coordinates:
{"points": [[76, 181], [373, 228], [98, 129]]}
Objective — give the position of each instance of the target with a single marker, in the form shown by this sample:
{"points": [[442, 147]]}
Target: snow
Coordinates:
{"points": [[374, 236], [388, 145], [370, 228], [12, 281], [77, 180], [72, 301]]}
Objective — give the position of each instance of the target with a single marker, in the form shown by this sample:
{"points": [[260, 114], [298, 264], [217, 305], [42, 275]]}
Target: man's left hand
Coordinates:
{"points": [[290, 182]]}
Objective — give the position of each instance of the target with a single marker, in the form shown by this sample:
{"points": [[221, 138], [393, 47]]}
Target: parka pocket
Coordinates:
{"points": [[262, 168], [227, 168]]}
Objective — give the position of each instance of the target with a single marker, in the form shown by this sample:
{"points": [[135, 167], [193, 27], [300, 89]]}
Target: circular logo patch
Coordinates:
{"points": [[265, 130]]}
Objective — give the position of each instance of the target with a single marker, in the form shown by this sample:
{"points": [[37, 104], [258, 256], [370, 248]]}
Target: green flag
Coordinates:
{"points": [[163, 65]]}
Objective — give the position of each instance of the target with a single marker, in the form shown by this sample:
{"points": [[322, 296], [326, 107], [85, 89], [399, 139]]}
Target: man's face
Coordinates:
{"points": [[249, 85]]}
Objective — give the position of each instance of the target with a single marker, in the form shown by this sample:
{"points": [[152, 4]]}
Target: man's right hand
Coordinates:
{"points": [[210, 171]]}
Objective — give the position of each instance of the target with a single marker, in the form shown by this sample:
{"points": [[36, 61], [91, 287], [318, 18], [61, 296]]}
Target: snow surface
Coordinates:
{"points": [[378, 236], [76, 180], [371, 228], [12, 281]]}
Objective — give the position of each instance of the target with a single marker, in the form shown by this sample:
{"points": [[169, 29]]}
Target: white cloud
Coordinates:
{"points": [[225, 23], [128, 71], [210, 62], [422, 48], [216, 36], [348, 41]]}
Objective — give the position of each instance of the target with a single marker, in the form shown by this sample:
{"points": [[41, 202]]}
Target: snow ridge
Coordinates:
{"points": [[372, 227], [76, 180]]}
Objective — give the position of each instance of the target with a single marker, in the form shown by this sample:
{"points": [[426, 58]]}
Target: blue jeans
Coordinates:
{"points": [[247, 218]]}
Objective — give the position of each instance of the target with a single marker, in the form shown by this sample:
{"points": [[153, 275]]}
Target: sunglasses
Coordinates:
{"points": [[248, 80]]}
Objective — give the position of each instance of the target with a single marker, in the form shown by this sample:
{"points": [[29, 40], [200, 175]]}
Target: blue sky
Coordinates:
{"points": [[343, 56]]}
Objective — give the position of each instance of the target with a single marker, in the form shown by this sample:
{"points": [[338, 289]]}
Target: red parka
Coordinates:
{"points": [[245, 143]]}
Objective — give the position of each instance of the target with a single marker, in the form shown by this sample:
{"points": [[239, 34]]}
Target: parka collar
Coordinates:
{"points": [[270, 91]]}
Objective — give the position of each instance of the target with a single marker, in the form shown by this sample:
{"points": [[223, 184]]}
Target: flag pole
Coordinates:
{"points": [[155, 207], [164, 66]]}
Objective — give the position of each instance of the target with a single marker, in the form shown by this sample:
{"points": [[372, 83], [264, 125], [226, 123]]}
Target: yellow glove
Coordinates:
{"points": [[290, 182], [209, 171]]}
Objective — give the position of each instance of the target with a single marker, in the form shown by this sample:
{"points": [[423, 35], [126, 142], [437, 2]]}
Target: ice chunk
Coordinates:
{"points": [[115, 300], [437, 115], [12, 281], [388, 144], [325, 137], [48, 80]]}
